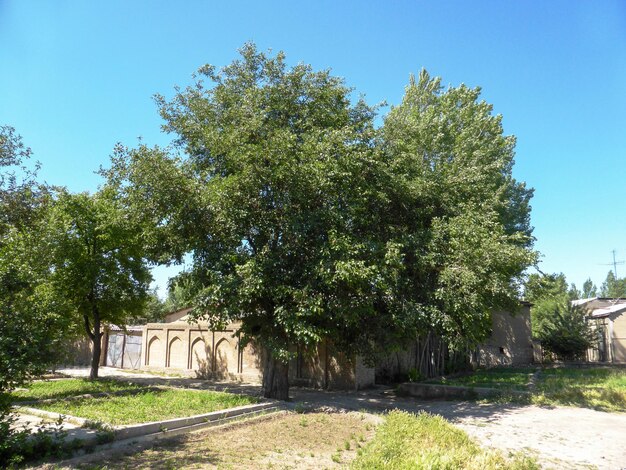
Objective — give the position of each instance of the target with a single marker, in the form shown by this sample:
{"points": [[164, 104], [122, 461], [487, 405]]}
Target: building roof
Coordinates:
{"points": [[599, 307], [127, 328]]}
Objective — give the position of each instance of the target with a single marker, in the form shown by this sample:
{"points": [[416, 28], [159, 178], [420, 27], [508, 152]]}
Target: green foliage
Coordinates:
{"points": [[144, 407], [180, 292], [589, 290], [414, 375], [561, 327], [613, 287], [565, 331], [23, 446], [424, 441], [32, 321], [458, 218], [98, 268], [154, 309], [305, 222]]}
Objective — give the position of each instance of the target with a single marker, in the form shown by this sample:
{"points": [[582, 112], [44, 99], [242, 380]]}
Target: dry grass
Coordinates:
{"points": [[302, 441]]}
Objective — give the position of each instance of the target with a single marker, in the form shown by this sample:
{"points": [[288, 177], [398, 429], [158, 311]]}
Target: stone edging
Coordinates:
{"points": [[434, 391], [133, 430]]}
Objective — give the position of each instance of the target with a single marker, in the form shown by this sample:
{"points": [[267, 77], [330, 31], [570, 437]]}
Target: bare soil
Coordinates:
{"points": [[289, 441]]}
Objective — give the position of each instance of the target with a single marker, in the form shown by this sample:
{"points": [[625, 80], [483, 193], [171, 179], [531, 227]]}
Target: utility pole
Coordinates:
{"points": [[615, 263]]}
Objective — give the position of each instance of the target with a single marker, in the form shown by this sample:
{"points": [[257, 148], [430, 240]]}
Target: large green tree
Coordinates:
{"points": [[270, 197], [99, 270], [613, 286], [461, 220], [30, 320], [305, 221]]}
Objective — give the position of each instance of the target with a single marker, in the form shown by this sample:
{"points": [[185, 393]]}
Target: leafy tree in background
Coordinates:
{"points": [[589, 290], [154, 309], [561, 327], [565, 331], [99, 269], [305, 222], [613, 287], [460, 219], [180, 293]]}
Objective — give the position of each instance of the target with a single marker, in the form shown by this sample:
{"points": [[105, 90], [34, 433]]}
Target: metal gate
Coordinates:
{"points": [[132, 352], [115, 349], [124, 350]]}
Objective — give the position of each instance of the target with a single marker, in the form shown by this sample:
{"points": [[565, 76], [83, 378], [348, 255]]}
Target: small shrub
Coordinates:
{"points": [[415, 375]]}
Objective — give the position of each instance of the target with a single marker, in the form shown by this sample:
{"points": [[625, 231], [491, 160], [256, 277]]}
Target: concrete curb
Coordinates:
{"points": [[133, 430], [435, 391]]}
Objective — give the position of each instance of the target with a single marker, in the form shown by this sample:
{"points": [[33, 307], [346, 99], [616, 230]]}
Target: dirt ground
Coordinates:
{"points": [[560, 437], [285, 441]]}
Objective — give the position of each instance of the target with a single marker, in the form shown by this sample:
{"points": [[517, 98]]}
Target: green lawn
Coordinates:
{"points": [[423, 441], [52, 389], [598, 388], [147, 406], [601, 388], [499, 377]]}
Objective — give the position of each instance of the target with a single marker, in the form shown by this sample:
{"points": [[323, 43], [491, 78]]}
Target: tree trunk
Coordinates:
{"points": [[97, 347], [275, 378]]}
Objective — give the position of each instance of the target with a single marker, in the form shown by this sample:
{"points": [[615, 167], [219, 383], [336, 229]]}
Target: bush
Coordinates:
{"points": [[565, 331]]}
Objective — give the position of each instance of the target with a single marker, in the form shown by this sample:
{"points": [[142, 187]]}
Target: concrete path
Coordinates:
{"points": [[560, 437]]}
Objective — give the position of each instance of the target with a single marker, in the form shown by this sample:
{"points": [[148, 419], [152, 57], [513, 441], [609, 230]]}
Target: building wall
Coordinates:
{"points": [[618, 337], [80, 351], [510, 342], [195, 350]]}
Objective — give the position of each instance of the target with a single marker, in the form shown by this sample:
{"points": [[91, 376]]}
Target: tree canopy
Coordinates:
{"points": [[305, 221], [613, 286], [561, 327], [98, 263]]}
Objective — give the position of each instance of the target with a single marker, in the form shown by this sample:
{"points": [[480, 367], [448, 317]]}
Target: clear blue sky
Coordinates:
{"points": [[78, 76]]}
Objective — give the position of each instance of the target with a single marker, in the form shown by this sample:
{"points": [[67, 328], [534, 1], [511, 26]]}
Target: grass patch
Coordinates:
{"points": [[500, 378], [423, 441], [57, 389], [598, 388], [147, 406]]}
